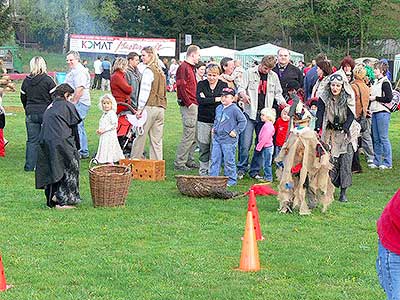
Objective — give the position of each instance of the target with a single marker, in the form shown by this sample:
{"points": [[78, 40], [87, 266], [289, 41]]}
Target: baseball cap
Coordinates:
{"points": [[228, 91]]}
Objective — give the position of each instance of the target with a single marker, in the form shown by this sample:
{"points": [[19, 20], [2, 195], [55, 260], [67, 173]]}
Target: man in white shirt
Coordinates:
{"points": [[79, 79], [97, 73]]}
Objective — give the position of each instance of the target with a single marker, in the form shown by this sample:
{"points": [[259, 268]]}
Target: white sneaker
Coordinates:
{"points": [[372, 166], [383, 167], [370, 161]]}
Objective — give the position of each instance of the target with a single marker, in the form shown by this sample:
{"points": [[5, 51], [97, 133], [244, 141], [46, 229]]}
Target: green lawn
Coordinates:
{"points": [[166, 246]]}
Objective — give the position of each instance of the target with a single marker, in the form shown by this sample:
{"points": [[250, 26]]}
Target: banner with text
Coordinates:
{"points": [[120, 45]]}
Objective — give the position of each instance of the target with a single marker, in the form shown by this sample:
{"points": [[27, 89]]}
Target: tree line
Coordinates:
{"points": [[309, 26]]}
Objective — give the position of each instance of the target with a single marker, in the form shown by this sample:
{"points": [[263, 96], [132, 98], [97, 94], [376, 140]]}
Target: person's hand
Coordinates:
{"points": [[233, 134], [284, 104], [139, 113], [244, 98], [217, 99], [99, 131]]}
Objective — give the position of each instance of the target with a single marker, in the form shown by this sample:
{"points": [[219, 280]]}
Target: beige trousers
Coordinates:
{"points": [[154, 128], [185, 151]]}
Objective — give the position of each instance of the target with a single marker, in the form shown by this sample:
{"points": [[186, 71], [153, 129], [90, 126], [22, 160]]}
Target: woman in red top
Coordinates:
{"points": [[388, 261], [120, 88]]}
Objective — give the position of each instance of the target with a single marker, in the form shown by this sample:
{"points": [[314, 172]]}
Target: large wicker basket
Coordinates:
{"points": [[200, 186], [109, 184]]}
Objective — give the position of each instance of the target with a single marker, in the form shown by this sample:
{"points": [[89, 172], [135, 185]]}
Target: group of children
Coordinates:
{"points": [[230, 122]]}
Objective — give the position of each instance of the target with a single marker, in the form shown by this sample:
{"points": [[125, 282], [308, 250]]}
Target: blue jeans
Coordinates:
{"points": [[82, 111], [267, 156], [388, 269], [245, 142], [380, 136], [225, 153], [33, 124], [278, 164]]}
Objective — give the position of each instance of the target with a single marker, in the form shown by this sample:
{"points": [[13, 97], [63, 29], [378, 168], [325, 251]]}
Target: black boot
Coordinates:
{"points": [[342, 197]]}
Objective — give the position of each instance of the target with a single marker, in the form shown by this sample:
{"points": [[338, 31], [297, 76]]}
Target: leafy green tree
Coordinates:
{"points": [[5, 22], [210, 22], [48, 21]]}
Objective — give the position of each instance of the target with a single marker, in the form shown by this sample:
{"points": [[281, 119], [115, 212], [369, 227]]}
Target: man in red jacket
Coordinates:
{"points": [[388, 261], [186, 85]]}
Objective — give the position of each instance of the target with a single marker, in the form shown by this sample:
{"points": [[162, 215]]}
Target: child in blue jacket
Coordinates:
{"points": [[229, 123]]}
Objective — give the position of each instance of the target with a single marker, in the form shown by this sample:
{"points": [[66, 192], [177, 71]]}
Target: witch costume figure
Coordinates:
{"points": [[57, 169], [338, 128], [304, 181]]}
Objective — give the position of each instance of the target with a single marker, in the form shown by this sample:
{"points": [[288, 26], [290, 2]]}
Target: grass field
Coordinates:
{"points": [[166, 246]]}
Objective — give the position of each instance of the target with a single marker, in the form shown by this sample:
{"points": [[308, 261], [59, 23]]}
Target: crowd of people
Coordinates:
{"points": [[224, 109], [224, 106]]}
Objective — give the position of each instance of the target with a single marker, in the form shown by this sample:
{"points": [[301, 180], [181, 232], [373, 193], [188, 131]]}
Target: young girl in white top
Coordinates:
{"points": [[109, 150]]}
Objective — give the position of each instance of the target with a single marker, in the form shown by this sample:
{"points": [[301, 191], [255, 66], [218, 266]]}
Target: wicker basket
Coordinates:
{"points": [[200, 186], [109, 184]]}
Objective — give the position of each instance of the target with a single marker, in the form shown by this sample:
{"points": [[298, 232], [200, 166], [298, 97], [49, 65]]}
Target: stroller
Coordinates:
{"points": [[125, 131]]}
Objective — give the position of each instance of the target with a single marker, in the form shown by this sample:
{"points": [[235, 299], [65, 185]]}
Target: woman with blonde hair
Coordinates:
{"points": [[152, 102], [209, 92], [35, 97], [120, 88]]}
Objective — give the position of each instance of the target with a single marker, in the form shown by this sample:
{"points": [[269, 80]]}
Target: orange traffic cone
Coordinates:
{"points": [[249, 260], [252, 206], [3, 284]]}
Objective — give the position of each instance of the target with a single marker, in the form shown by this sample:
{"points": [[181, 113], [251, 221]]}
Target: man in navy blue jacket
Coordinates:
{"points": [[311, 77]]}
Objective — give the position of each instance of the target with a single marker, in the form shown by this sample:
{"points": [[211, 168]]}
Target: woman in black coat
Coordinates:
{"points": [[57, 169]]}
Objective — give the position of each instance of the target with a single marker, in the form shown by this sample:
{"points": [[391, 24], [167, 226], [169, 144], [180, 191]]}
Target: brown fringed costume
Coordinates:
{"points": [[305, 174]]}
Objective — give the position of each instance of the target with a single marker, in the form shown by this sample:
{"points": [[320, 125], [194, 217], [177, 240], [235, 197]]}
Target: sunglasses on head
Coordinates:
{"points": [[336, 77]]}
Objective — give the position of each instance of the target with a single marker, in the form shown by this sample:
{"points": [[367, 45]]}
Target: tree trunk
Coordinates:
{"points": [[316, 31], [282, 28], [66, 26], [361, 31]]}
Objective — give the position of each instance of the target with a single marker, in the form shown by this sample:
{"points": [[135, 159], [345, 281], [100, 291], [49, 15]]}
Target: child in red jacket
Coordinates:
{"points": [[281, 128]]}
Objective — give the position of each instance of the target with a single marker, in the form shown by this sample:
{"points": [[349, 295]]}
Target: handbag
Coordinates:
{"points": [[362, 120]]}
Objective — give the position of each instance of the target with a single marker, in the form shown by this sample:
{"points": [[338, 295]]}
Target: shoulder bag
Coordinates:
{"points": [[362, 120]]}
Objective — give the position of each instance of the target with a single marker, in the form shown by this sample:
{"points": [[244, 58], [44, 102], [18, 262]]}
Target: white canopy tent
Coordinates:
{"points": [[215, 52], [396, 68], [247, 56]]}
